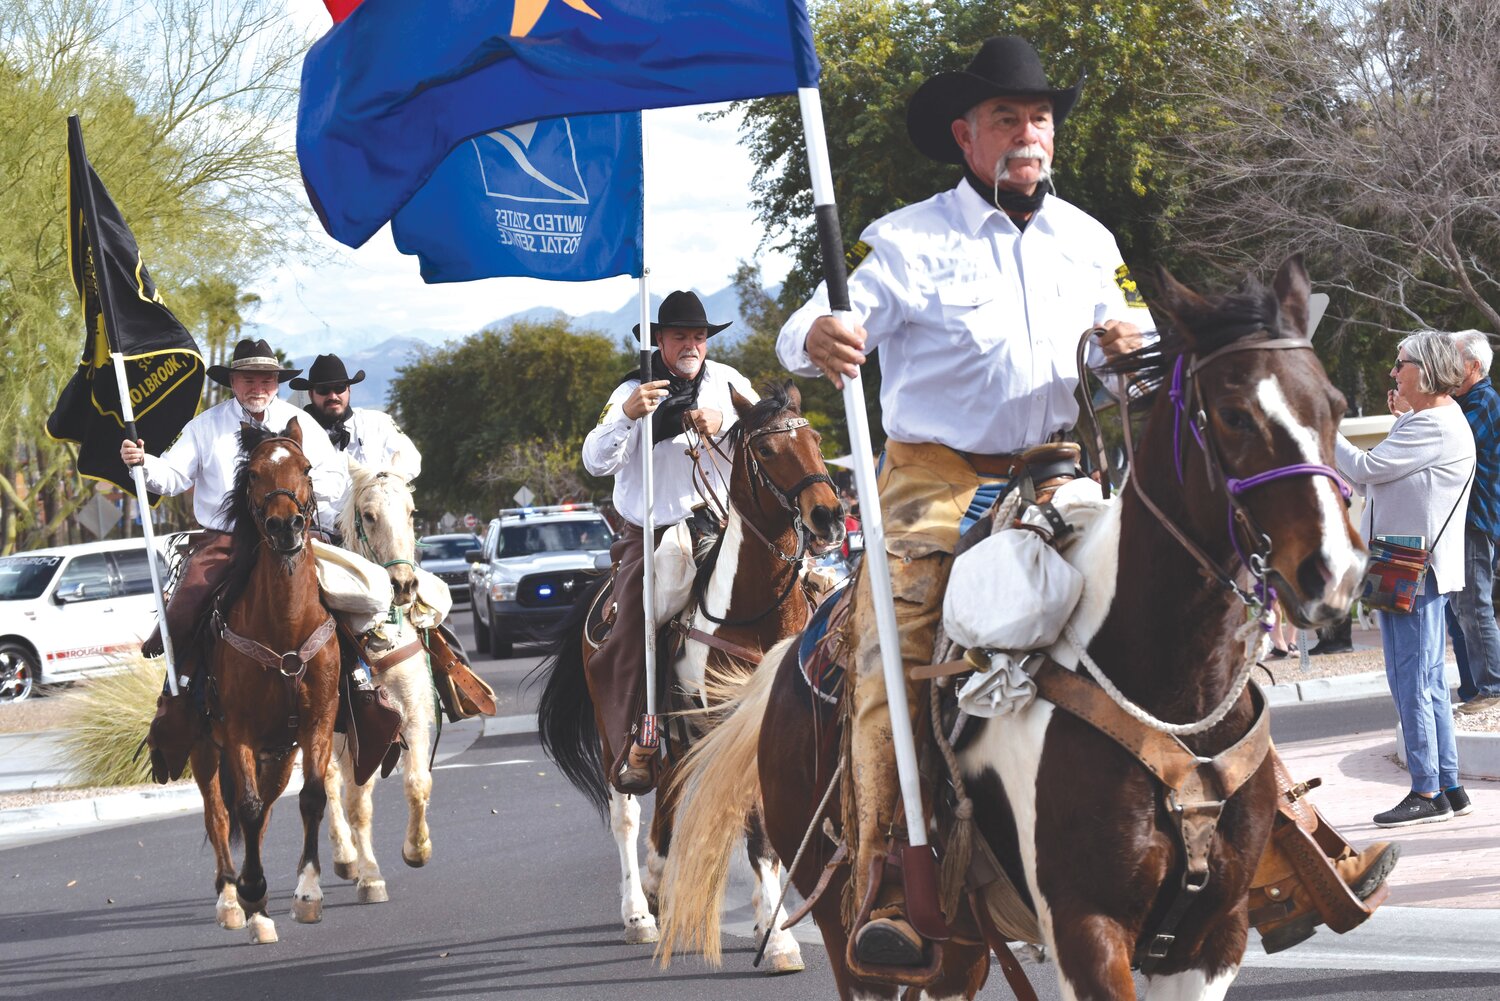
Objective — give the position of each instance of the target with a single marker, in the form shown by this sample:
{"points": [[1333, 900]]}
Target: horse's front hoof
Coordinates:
{"points": [[785, 961], [262, 930], [373, 892], [307, 911], [231, 917], [418, 858], [344, 870], [640, 930]]}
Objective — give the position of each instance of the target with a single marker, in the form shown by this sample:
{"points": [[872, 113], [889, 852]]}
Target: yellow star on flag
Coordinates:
{"points": [[528, 12]]}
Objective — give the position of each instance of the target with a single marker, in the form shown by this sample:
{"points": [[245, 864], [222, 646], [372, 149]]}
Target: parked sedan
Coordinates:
{"points": [[444, 555]]}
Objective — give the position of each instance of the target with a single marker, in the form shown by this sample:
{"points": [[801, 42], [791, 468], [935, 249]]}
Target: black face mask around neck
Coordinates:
{"points": [[338, 434], [1013, 203], [682, 396]]}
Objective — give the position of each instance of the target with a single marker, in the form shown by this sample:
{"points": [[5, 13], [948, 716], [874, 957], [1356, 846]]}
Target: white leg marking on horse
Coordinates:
{"points": [[228, 911], [783, 955], [625, 822], [693, 666], [307, 899], [1338, 552], [1190, 985], [1012, 748], [262, 930], [656, 866]]}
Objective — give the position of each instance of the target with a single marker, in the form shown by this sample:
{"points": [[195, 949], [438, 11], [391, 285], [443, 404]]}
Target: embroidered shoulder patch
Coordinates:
{"points": [[605, 412], [855, 254], [1127, 285]]}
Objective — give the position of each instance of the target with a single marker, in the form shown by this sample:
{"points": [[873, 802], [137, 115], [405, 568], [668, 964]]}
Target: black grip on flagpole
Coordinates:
{"points": [[130, 432], [831, 245], [645, 366]]}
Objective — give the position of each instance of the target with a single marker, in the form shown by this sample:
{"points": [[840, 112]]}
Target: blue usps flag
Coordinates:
{"points": [[560, 199], [391, 90]]}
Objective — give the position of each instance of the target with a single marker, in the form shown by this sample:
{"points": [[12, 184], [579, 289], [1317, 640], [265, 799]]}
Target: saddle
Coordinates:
{"points": [[463, 693]]}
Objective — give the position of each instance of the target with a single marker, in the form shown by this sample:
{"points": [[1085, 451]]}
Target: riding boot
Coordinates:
{"points": [[637, 775], [1310, 875], [173, 731]]}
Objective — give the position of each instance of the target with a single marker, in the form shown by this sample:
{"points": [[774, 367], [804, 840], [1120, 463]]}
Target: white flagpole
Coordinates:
{"points": [[127, 410], [648, 579], [832, 246]]}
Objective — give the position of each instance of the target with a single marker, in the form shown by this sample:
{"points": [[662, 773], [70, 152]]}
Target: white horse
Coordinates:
{"points": [[376, 523]]}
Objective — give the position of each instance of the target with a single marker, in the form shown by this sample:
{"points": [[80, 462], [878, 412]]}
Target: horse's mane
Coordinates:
{"points": [[245, 538], [1218, 321], [776, 398], [362, 479]]}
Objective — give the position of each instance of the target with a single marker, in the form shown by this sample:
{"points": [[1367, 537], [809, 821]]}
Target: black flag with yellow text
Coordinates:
{"points": [[122, 311]]}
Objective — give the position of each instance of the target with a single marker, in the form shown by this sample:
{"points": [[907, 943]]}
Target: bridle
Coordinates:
{"points": [[787, 498], [307, 510], [1188, 410]]}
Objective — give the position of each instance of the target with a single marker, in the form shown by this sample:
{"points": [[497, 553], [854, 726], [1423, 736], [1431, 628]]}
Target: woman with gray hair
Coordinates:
{"points": [[1415, 482]]}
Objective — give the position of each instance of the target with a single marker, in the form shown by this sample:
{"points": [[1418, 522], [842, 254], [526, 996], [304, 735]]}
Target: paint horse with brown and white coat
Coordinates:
{"points": [[1232, 476], [781, 504]]}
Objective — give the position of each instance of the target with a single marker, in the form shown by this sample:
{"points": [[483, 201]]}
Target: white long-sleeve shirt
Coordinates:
{"points": [[376, 441], [1414, 481], [976, 321], [207, 453], [613, 449]]}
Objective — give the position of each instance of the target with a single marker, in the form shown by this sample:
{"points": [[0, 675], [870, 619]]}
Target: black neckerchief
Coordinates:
{"points": [[682, 396], [337, 432], [1019, 207]]}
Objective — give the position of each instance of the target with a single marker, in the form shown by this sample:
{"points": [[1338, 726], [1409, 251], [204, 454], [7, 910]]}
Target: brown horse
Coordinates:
{"points": [[273, 682], [1078, 824], [781, 502]]}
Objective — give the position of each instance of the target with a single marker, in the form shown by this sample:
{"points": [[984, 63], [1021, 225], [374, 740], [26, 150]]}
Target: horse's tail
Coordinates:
{"points": [[565, 712], [227, 796], [720, 784]]}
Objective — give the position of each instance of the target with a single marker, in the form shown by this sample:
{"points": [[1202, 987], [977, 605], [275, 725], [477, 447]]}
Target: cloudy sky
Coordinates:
{"points": [[698, 222]]}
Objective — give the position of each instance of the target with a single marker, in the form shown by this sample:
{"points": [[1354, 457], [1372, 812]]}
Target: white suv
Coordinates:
{"points": [[71, 612]]}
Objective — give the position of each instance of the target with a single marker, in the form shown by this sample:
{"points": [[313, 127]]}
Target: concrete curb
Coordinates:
{"points": [[48, 821], [1368, 685], [1478, 754]]}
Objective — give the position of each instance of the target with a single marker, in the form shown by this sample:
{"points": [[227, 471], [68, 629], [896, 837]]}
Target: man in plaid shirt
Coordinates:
{"points": [[1476, 613]]}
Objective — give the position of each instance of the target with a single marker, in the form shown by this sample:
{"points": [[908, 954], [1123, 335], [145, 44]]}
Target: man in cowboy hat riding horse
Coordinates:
{"points": [[369, 437], [976, 298], [204, 457], [687, 386]]}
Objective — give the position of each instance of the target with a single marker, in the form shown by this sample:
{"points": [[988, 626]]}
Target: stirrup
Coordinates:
{"points": [[908, 976]]}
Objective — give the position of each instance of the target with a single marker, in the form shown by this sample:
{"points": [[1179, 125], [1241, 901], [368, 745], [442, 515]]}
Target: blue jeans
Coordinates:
{"points": [[1466, 689], [1414, 650], [1476, 613]]}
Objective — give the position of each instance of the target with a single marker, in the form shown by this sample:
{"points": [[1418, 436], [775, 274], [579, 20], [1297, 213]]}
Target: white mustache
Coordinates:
{"points": [[1033, 151]]}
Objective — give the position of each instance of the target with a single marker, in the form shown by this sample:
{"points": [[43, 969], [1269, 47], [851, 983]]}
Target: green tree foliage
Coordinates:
{"points": [[184, 105], [875, 53], [502, 404]]}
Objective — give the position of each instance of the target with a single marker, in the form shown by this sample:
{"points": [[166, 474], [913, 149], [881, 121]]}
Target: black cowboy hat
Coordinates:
{"points": [[681, 309], [325, 370], [1004, 66], [251, 356]]}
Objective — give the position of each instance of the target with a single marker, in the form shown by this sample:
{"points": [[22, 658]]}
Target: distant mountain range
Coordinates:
{"points": [[380, 351]]}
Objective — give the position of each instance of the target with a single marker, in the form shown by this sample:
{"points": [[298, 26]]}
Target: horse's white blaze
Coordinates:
{"points": [[1191, 985], [1338, 553], [1012, 747], [692, 666], [279, 453], [625, 822]]}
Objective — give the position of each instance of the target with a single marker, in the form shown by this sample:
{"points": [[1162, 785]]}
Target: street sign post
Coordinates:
{"points": [[524, 497], [470, 521], [98, 516]]}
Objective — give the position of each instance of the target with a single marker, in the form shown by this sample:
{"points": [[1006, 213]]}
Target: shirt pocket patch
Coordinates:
{"points": [[968, 308]]}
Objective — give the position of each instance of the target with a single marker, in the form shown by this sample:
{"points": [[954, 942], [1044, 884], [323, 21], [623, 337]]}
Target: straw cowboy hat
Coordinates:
{"points": [[251, 356], [1004, 66]]}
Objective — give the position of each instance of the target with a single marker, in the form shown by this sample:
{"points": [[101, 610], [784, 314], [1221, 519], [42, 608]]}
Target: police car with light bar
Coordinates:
{"points": [[532, 563]]}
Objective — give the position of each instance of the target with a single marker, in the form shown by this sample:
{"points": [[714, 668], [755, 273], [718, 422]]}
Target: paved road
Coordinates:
{"points": [[520, 901]]}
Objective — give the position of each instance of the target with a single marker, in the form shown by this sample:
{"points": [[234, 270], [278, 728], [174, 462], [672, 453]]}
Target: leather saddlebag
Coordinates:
{"points": [[463, 693]]}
